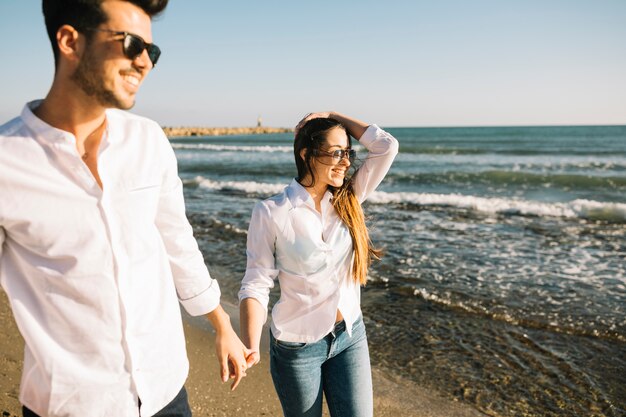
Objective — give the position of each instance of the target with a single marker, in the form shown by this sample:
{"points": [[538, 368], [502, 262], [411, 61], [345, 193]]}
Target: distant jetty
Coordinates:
{"points": [[175, 132]]}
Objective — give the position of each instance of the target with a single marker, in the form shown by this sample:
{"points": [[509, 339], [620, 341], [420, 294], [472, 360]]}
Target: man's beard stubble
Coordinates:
{"points": [[89, 77]]}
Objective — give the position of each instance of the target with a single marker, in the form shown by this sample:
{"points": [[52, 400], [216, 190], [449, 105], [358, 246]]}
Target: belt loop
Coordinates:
{"points": [[331, 344]]}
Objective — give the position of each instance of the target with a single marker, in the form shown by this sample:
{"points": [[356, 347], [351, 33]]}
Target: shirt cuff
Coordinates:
{"points": [[370, 135], [205, 302]]}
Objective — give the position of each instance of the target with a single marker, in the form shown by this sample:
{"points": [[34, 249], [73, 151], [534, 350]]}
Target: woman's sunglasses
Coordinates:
{"points": [[134, 45], [338, 154]]}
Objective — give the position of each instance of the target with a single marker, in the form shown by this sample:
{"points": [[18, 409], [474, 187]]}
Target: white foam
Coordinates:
{"points": [[586, 209], [250, 187], [242, 148], [578, 208], [230, 227], [232, 148]]}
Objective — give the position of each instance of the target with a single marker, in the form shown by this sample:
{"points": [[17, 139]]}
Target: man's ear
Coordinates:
{"points": [[70, 43]]}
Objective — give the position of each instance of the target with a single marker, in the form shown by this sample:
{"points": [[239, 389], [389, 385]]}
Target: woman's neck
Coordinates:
{"points": [[316, 192]]}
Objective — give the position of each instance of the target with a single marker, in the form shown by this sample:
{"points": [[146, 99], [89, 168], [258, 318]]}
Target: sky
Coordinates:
{"points": [[393, 62]]}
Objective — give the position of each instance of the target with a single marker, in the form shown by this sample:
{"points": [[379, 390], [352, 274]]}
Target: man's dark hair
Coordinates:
{"points": [[85, 14]]}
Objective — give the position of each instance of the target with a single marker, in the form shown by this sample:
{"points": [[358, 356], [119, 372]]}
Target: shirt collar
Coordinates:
{"points": [[50, 133], [40, 128], [298, 195]]}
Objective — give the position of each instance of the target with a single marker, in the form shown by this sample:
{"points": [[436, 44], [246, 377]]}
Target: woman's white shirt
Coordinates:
{"points": [[310, 253]]}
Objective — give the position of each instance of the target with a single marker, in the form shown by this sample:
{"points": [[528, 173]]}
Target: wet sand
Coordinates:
{"points": [[209, 397]]}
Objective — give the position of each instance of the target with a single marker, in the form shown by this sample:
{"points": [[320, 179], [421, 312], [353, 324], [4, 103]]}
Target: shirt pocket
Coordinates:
{"points": [[143, 199], [139, 204], [138, 201]]}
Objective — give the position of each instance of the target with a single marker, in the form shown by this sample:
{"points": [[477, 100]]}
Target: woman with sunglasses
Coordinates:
{"points": [[312, 238]]}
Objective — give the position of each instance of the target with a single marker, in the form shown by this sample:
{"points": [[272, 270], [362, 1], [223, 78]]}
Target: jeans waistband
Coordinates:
{"points": [[339, 326]]}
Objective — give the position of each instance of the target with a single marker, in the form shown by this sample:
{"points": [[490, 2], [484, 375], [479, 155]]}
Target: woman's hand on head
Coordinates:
{"points": [[355, 127], [310, 116]]}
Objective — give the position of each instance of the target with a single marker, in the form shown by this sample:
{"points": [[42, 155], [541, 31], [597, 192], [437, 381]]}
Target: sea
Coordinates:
{"points": [[503, 283]]}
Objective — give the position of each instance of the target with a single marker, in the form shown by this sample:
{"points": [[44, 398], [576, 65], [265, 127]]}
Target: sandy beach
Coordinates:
{"points": [[209, 397]]}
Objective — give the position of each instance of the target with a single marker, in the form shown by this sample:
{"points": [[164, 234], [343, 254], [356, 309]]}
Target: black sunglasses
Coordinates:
{"points": [[134, 45], [338, 154]]}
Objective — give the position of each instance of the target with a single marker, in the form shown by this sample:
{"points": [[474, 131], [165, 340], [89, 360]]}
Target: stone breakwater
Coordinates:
{"points": [[174, 132]]}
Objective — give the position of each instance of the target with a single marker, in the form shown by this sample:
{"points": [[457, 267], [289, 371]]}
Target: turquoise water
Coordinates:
{"points": [[504, 280]]}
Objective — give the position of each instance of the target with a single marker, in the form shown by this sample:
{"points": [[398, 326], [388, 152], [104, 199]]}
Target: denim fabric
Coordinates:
{"points": [[178, 407], [338, 365], [27, 412]]}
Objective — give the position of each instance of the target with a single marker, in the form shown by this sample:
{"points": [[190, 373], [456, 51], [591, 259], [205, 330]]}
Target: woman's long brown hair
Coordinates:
{"points": [[311, 137]]}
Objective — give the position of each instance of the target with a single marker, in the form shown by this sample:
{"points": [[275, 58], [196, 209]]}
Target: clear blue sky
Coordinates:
{"points": [[395, 63]]}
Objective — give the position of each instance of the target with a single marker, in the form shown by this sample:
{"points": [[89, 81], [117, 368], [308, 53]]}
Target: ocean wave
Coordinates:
{"points": [[231, 148], [519, 178], [223, 227], [470, 307], [585, 209], [450, 150], [246, 187]]}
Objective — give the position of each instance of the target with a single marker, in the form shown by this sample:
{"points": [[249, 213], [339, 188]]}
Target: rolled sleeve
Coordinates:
{"points": [[196, 290], [203, 303], [260, 269], [382, 149]]}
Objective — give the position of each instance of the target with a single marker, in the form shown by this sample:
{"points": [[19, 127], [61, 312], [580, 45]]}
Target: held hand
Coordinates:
{"points": [[253, 358], [233, 357]]}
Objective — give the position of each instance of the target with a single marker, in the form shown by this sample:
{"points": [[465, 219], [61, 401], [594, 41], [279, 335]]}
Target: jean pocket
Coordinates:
{"points": [[289, 345]]}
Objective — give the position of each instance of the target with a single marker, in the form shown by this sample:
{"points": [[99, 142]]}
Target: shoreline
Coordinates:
{"points": [[208, 396], [255, 395], [181, 132]]}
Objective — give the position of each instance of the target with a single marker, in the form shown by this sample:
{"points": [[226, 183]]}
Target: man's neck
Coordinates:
{"points": [[84, 118], [71, 111]]}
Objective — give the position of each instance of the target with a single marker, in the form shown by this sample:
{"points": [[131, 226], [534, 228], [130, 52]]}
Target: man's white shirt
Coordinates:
{"points": [[94, 276]]}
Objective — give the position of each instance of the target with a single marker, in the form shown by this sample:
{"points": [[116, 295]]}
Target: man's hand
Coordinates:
{"points": [[233, 356]]}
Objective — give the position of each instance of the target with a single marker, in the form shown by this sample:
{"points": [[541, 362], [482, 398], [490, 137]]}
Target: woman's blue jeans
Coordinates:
{"points": [[338, 365]]}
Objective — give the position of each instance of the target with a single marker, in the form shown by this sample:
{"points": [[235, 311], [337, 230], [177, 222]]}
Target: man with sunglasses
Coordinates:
{"points": [[95, 249]]}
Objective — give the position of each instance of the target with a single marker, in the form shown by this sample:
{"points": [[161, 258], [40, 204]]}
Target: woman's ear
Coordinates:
{"points": [[303, 153]]}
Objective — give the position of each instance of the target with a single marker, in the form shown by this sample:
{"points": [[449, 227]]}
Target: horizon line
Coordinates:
{"points": [[402, 126]]}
